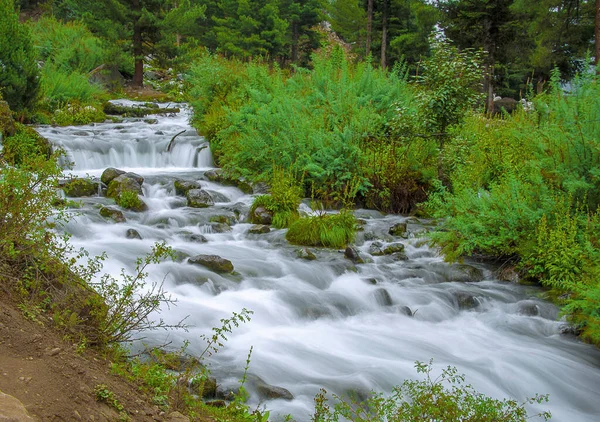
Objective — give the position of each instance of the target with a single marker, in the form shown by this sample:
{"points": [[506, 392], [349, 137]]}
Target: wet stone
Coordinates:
{"points": [[132, 234], [259, 229]]}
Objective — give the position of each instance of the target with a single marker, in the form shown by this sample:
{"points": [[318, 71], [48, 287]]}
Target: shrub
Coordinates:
{"points": [[283, 201], [19, 75], [328, 230], [130, 200], [445, 398]]}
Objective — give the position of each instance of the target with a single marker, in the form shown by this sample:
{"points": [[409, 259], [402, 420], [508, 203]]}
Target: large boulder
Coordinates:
{"points": [[78, 187], [259, 229], [183, 186], [110, 174], [353, 255], [125, 182], [107, 76], [398, 229], [213, 262], [506, 104], [267, 391], [199, 198]]}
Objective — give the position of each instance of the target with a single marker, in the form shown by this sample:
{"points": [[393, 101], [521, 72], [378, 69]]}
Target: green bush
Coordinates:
{"points": [[444, 398], [19, 75], [283, 201], [328, 230], [131, 201]]}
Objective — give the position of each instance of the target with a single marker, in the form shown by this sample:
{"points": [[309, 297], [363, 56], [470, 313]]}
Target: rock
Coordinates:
{"points": [[107, 76], [113, 213], [268, 391], [54, 351], [213, 175], [198, 238], [151, 121], [378, 249], [465, 300], [78, 187], [223, 219], [80, 133], [159, 132], [465, 272], [382, 296], [508, 273], [259, 229], [198, 198], [353, 255], [183, 186], [132, 234], [12, 410], [217, 403], [400, 256], [305, 253], [125, 182], [406, 311], [218, 196], [110, 174], [528, 308], [220, 227], [213, 262], [261, 216], [398, 230], [177, 417], [245, 187], [506, 104], [260, 188]]}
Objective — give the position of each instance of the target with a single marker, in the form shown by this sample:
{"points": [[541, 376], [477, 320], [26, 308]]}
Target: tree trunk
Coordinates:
{"points": [[369, 26], [138, 55], [597, 33], [295, 41], [490, 47], [384, 28]]}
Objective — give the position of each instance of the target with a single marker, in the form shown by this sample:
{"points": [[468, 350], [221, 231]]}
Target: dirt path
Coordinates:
{"points": [[54, 382]]}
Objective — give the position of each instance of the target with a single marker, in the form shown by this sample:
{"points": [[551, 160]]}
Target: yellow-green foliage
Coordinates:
{"points": [[328, 230], [130, 200], [283, 201]]}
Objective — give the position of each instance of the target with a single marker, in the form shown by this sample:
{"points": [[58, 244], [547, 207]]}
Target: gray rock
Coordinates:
{"points": [[213, 262], [198, 198], [305, 253], [183, 186], [213, 175], [406, 311], [107, 76], [112, 213], [398, 230], [378, 248], [220, 227], [260, 188], [528, 308], [353, 255], [151, 121], [465, 301], [80, 133], [382, 296], [218, 196], [267, 391], [198, 238], [259, 229], [261, 216], [132, 234]]}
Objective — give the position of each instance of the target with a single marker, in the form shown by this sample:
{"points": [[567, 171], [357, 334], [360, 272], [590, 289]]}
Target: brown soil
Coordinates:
{"points": [[53, 381]]}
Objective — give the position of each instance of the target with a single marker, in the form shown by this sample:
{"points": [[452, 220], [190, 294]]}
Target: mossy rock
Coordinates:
{"points": [[112, 213], [198, 198], [261, 215], [110, 174], [259, 229], [223, 219], [125, 182], [78, 187], [305, 253], [213, 262], [398, 230], [183, 186], [131, 201]]}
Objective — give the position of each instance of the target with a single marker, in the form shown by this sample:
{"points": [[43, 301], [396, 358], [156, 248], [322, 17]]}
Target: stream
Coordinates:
{"points": [[328, 322]]}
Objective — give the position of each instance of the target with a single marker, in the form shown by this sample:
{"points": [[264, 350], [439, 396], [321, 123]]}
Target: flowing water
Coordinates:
{"points": [[323, 323]]}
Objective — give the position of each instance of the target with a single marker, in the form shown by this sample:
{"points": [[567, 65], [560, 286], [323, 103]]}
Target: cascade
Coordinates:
{"points": [[324, 323]]}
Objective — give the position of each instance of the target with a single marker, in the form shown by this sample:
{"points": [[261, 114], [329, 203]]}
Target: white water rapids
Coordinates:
{"points": [[323, 323]]}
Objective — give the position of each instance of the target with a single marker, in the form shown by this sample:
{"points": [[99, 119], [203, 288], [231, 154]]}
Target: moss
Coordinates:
{"points": [[131, 201], [329, 230]]}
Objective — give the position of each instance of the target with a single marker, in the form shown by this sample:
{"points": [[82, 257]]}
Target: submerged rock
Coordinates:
{"points": [[378, 248], [267, 391], [213, 262], [528, 308], [112, 213], [259, 229], [382, 296], [305, 253], [198, 198], [353, 255], [398, 230], [132, 234], [465, 301]]}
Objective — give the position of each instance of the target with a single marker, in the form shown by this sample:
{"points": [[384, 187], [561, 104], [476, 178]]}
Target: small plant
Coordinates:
{"points": [[131, 201], [283, 200], [105, 395], [444, 398], [328, 230]]}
